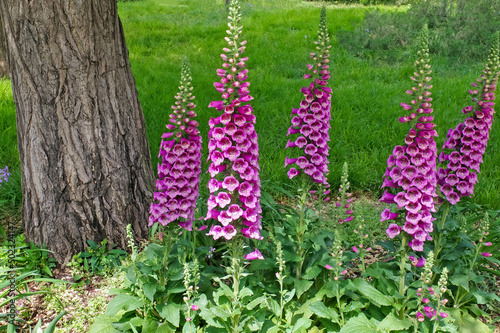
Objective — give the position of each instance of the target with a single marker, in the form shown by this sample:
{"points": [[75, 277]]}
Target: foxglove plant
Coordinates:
{"points": [[310, 129], [344, 202], [411, 169], [463, 150], [177, 187], [233, 152], [311, 122]]}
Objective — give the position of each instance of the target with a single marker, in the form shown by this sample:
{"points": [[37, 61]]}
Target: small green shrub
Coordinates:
{"points": [[458, 29]]}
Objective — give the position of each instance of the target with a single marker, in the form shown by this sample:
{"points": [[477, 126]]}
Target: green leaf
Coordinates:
{"points": [[301, 324], [188, 327], [392, 323], [275, 307], [52, 326], [149, 326], [255, 302], [321, 310], [483, 297], [355, 305], [149, 290], [103, 324], [288, 296], [123, 302], [460, 280], [372, 294], [359, 324], [329, 289], [312, 272], [165, 328], [245, 292], [289, 256], [301, 286], [170, 312]]}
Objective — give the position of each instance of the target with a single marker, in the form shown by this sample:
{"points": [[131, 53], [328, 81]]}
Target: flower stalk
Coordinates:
{"points": [[465, 145], [411, 169], [233, 152], [177, 186]]}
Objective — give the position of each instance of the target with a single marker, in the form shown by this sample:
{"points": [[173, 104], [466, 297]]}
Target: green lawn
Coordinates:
{"points": [[280, 34]]}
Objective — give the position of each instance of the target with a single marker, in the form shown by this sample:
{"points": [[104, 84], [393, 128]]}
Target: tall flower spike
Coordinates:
{"points": [[311, 121], [463, 149], [177, 187], [411, 169], [233, 152]]}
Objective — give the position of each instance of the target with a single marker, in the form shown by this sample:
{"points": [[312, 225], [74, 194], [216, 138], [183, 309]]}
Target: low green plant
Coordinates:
{"points": [[28, 256], [98, 259]]}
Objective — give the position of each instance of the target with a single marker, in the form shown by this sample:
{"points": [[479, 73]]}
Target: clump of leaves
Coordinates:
{"points": [[386, 35]]}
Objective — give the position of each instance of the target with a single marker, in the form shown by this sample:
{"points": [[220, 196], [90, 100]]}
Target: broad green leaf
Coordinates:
{"points": [[170, 312], [460, 280], [165, 328], [149, 326], [289, 256], [301, 324], [220, 312], [483, 297], [355, 305], [210, 317], [359, 324], [321, 310], [256, 302], [329, 289], [275, 307], [245, 292], [301, 286], [250, 323], [123, 302], [188, 327], [274, 329], [372, 294], [312, 272], [149, 290], [103, 324], [288, 296], [392, 323]]}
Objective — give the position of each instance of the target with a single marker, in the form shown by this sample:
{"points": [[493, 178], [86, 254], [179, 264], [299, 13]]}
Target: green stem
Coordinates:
{"points": [[437, 243], [302, 223], [402, 272], [339, 306], [236, 247]]}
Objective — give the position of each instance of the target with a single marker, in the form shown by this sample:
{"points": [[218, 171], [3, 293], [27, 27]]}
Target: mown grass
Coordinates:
{"points": [[280, 35]]}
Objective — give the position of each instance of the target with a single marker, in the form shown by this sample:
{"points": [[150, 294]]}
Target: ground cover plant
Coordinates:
{"points": [[292, 262]]}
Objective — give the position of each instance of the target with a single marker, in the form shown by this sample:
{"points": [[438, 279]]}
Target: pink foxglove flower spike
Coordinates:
{"points": [[233, 152], [311, 121], [411, 169], [464, 147], [177, 187]]}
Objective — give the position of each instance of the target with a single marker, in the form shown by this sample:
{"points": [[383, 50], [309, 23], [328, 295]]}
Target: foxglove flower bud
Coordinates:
{"points": [[233, 151], [177, 187], [464, 147], [411, 169], [311, 121]]}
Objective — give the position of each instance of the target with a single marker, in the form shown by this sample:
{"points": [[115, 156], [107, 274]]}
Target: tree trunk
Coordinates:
{"points": [[86, 166], [3, 52]]}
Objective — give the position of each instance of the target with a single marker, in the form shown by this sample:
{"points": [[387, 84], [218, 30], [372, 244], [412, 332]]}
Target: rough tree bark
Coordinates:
{"points": [[3, 52], [86, 166]]}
